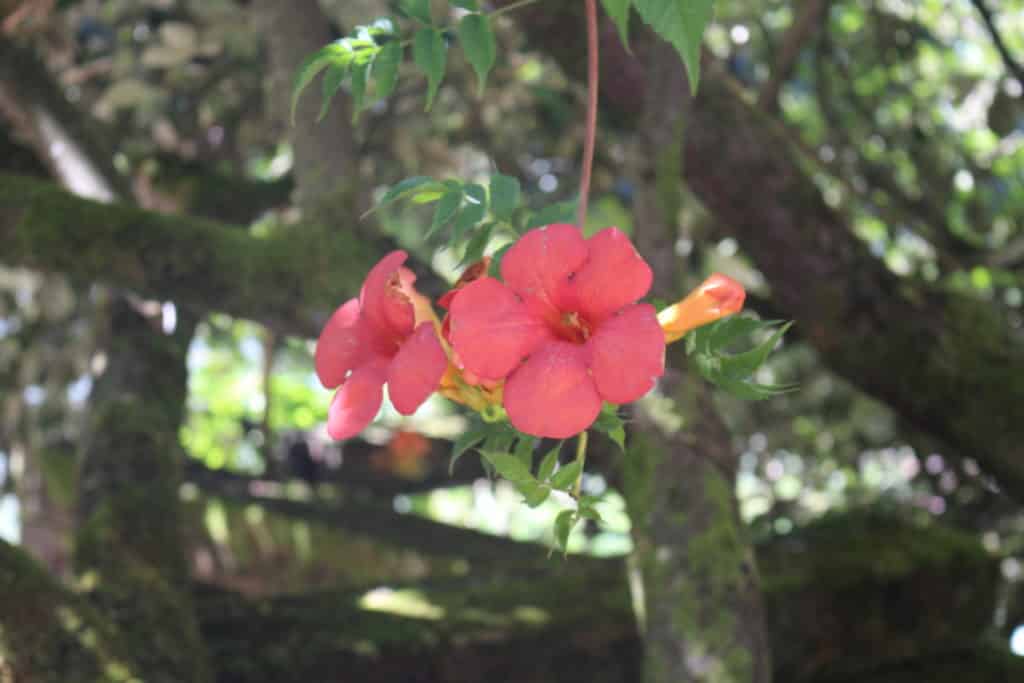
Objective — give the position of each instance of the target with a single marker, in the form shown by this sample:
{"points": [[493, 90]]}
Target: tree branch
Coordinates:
{"points": [[287, 283], [1015, 67]]}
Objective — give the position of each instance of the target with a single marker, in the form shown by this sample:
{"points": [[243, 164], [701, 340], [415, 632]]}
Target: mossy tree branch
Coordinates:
{"points": [[287, 281]]}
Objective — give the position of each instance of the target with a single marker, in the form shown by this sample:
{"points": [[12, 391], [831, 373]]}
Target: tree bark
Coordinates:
{"points": [[702, 599], [129, 544]]}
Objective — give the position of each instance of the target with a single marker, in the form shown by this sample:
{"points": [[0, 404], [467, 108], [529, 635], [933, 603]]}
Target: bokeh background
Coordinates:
{"points": [[887, 517]]}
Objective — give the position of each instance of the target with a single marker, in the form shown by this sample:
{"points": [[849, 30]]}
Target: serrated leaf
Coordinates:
{"points": [[505, 196], [547, 465], [331, 83], [744, 364], [464, 443], [385, 68], [431, 56], [682, 23], [416, 9], [618, 12], [509, 466], [753, 392], [565, 478], [721, 333], [564, 523], [336, 52], [359, 75], [481, 48], [447, 206], [533, 493]]}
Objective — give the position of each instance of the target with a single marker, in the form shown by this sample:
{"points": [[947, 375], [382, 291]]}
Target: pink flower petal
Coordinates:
{"points": [[551, 394], [382, 301], [415, 373], [614, 276], [491, 330], [357, 401], [538, 266], [342, 345], [627, 354]]}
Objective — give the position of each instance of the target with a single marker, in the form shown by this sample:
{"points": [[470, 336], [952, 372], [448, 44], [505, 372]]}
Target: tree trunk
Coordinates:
{"points": [[129, 547]]}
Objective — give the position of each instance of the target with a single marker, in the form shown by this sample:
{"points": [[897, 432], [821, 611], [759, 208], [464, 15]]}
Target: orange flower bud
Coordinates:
{"points": [[717, 297]]}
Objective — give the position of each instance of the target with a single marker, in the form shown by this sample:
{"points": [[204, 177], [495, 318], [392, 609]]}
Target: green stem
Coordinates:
{"points": [[581, 458], [591, 132], [512, 7]]}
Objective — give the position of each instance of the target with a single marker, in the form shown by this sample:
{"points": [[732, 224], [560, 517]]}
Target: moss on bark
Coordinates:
{"points": [[290, 279]]}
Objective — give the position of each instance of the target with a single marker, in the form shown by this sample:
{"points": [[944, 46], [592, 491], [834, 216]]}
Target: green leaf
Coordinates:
{"points": [[478, 43], [587, 510], [547, 465], [466, 441], [477, 245], [431, 56], [524, 451], [564, 523], [335, 53], [385, 68], [505, 196], [509, 466], [359, 74], [331, 82], [618, 11], [495, 269], [609, 422], [744, 364], [682, 23], [566, 477], [533, 493], [499, 441], [471, 5], [446, 209], [721, 333], [472, 212], [416, 9], [753, 392], [563, 212], [405, 187]]}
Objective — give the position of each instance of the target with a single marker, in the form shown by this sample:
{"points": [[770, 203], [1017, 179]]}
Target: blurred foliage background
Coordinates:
{"points": [[908, 116]]}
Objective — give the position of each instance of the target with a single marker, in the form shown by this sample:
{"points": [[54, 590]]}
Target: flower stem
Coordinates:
{"points": [[591, 133], [512, 7], [581, 458]]}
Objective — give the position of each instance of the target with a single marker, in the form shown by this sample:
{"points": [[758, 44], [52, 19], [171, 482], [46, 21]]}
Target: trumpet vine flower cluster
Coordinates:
{"points": [[560, 334]]}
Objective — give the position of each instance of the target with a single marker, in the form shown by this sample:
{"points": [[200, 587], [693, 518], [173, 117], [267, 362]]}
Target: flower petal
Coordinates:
{"points": [[627, 354], [716, 297], [415, 372], [342, 345], [357, 401], [382, 301], [614, 276], [538, 266], [551, 394], [491, 330]]}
